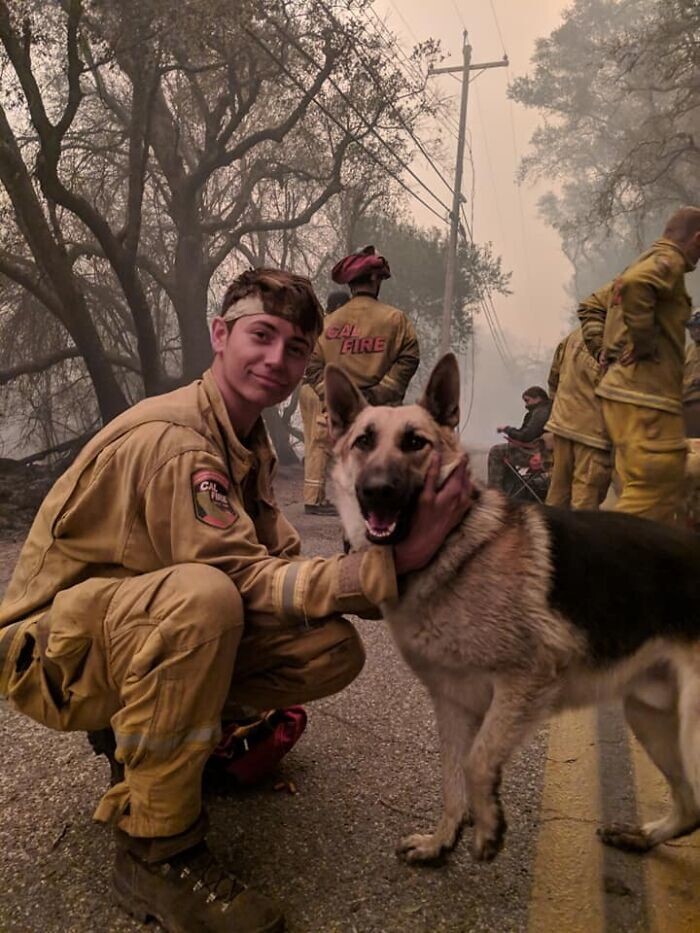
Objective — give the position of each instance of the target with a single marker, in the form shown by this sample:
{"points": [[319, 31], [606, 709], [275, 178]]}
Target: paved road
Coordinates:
{"points": [[367, 772]]}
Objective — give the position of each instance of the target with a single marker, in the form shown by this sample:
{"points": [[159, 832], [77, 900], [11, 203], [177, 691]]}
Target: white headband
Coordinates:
{"points": [[244, 307]]}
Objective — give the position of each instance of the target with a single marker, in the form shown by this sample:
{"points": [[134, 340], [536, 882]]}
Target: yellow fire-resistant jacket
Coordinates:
{"points": [[374, 343], [576, 412], [592, 313], [647, 313], [168, 482], [691, 374]]}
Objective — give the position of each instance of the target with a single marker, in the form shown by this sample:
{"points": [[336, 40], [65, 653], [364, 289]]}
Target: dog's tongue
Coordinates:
{"points": [[379, 524]]}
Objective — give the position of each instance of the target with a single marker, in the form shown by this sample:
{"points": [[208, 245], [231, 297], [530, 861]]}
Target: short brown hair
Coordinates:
{"points": [[683, 224], [283, 294]]}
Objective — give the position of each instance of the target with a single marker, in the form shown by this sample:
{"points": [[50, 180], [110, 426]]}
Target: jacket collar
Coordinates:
{"points": [[669, 244], [241, 458]]}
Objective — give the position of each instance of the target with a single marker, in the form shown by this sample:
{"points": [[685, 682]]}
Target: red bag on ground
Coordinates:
{"points": [[251, 752]]}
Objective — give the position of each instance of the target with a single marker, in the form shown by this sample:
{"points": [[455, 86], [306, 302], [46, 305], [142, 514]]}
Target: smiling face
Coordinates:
{"points": [[383, 453], [258, 361]]}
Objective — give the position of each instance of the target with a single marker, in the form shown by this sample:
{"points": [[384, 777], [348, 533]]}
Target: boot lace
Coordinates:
{"points": [[202, 869]]}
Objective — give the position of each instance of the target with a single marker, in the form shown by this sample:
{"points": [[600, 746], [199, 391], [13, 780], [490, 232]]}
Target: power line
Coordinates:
{"points": [[472, 380], [394, 47], [379, 85], [492, 176], [498, 27], [457, 11], [362, 117], [345, 129], [487, 306], [404, 21]]}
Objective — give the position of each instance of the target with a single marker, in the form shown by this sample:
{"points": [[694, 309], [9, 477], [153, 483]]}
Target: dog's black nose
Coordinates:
{"points": [[378, 490]]}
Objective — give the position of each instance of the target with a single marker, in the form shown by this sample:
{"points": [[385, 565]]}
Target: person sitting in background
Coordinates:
{"points": [[522, 442]]}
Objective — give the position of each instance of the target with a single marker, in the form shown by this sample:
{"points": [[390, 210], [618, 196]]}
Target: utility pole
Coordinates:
{"points": [[451, 267]]}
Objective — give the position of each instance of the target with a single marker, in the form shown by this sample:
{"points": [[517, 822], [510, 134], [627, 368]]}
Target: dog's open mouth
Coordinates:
{"points": [[380, 528]]}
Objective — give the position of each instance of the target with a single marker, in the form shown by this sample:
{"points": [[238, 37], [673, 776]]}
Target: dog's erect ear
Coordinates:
{"points": [[441, 397], [343, 400]]}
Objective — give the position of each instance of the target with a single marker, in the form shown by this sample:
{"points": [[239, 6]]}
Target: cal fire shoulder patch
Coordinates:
{"points": [[210, 497]]}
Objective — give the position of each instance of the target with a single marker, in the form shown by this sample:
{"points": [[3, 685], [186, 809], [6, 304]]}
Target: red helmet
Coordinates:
{"points": [[358, 265]]}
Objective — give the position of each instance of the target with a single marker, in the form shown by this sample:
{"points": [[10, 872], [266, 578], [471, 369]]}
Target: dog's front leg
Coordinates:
{"points": [[514, 710], [456, 729]]}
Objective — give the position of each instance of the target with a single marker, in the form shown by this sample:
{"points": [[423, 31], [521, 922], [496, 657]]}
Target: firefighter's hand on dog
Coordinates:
{"points": [[438, 511]]}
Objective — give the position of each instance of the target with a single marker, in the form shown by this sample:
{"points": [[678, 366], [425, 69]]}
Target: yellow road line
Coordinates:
{"points": [[566, 893], [672, 871]]}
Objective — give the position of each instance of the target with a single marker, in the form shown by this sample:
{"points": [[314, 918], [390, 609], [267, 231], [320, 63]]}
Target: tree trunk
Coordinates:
{"points": [[191, 285], [51, 259]]}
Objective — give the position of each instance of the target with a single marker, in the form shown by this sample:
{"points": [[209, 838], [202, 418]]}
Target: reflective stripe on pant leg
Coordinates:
{"points": [[172, 638], [559, 492]]}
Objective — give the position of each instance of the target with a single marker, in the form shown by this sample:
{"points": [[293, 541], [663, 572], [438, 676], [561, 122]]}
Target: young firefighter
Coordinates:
{"points": [[159, 583]]}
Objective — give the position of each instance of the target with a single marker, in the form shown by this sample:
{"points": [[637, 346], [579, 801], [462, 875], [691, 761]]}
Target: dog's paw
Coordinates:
{"points": [[420, 848], [484, 847], [625, 836]]}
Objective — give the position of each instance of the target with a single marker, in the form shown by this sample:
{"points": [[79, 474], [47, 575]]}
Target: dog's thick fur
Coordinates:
{"points": [[525, 611]]}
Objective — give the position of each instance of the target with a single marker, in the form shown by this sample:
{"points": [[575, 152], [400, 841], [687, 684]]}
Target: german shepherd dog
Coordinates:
{"points": [[525, 611]]}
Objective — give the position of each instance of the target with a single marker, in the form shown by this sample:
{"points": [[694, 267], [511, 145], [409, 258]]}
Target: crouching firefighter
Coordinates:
{"points": [[160, 587]]}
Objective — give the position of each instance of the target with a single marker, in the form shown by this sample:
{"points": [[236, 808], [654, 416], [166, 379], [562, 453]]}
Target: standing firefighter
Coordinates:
{"points": [[316, 440], [643, 357], [376, 345], [691, 378], [582, 461], [160, 585]]}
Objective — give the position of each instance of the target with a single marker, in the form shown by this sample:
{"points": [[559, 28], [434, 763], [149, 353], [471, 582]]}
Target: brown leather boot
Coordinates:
{"points": [[191, 892]]}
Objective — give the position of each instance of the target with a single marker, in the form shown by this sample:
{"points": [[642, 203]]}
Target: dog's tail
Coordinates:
{"points": [[689, 714]]}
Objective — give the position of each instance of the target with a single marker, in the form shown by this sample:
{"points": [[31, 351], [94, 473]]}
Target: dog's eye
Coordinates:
{"points": [[411, 442], [364, 441]]}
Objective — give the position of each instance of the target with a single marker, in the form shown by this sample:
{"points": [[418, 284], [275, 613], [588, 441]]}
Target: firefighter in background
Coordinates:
{"points": [[316, 444], [582, 459], [691, 378], [373, 342], [642, 382], [691, 417]]}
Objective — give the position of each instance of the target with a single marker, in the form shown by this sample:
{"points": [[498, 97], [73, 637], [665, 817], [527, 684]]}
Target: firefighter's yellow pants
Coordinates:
{"points": [[316, 446], [650, 454], [159, 656], [580, 476]]}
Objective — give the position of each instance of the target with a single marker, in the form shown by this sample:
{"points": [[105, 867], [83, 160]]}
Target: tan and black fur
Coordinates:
{"points": [[525, 611]]}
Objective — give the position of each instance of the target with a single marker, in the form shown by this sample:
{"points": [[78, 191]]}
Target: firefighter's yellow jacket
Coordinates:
{"points": [[168, 482], [691, 374], [576, 412], [374, 343], [647, 313], [592, 313]]}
